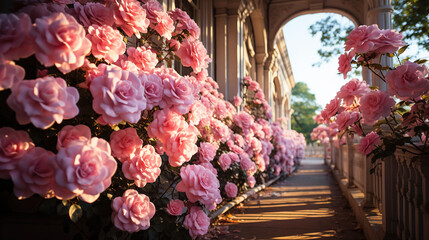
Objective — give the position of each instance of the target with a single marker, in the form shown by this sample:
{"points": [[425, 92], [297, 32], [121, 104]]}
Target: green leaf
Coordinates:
{"points": [[75, 212], [402, 49], [420, 61]]}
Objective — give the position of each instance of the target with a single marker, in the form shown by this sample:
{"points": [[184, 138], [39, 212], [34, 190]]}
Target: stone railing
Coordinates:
{"points": [[393, 201], [314, 150]]}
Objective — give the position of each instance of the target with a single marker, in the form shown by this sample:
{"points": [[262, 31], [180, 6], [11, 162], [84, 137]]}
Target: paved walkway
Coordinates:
{"points": [[307, 205]]}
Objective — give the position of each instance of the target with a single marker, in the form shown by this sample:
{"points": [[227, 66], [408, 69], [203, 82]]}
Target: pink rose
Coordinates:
{"points": [[363, 38], [184, 22], [220, 131], [164, 25], [154, 89], [34, 174], [260, 95], [15, 40], [243, 120], [231, 190], [93, 13], [374, 105], [13, 146], [175, 207], [254, 86], [10, 74], [193, 54], [207, 151], [247, 165], [200, 184], [38, 10], [143, 167], [60, 41], [125, 143], [198, 113], [234, 157], [237, 101], [368, 142], [408, 80], [180, 147], [178, 94], [332, 108], [130, 16], [43, 101], [152, 8], [142, 57], [132, 212], [197, 222], [344, 63], [389, 42], [106, 42], [224, 161], [118, 96], [251, 181], [84, 169], [346, 119], [165, 124], [352, 90], [70, 133], [209, 166]]}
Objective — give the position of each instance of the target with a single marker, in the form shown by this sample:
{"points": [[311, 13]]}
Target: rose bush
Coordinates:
{"points": [[110, 132]]}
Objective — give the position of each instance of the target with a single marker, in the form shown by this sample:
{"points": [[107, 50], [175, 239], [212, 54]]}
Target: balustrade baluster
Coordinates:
{"points": [[405, 215], [410, 198], [399, 191]]}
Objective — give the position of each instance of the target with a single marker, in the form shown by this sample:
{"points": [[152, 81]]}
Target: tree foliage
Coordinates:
{"points": [[410, 17], [304, 104]]}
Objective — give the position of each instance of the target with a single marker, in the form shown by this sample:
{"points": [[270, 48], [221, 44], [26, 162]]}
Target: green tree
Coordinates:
{"points": [[410, 17], [304, 105]]}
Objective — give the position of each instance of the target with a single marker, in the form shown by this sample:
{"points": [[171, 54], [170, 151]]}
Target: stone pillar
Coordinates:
{"points": [[380, 13], [260, 60], [221, 20], [235, 55]]}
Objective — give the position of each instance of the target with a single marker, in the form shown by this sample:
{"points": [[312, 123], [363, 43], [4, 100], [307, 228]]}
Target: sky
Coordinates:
{"points": [[323, 81]]}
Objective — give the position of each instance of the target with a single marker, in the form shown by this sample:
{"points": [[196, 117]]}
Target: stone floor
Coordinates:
{"points": [[306, 205]]}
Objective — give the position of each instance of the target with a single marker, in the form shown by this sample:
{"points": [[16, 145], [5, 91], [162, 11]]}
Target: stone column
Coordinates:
{"points": [[221, 19], [380, 13]]}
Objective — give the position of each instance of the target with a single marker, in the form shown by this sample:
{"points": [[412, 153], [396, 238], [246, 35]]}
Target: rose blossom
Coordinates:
{"points": [[93, 13], [389, 42], [13, 146], [231, 190], [10, 74], [164, 25], [143, 167], [184, 22], [43, 101], [178, 94], [332, 108], [60, 41], [353, 89], [408, 80], [251, 181], [35, 9], [15, 40], [198, 113], [224, 161], [130, 16], [346, 119], [247, 165], [118, 95], [153, 89], [368, 142], [237, 101], [124, 143], [180, 147], [84, 169], [200, 184], [344, 63], [34, 173], [254, 86], [106, 42], [374, 105], [197, 222], [243, 120], [207, 151], [193, 54], [70, 133], [175, 207], [132, 212], [152, 8], [362, 39], [166, 123], [142, 57]]}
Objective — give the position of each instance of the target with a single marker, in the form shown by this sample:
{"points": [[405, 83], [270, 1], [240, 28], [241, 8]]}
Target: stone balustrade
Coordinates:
{"points": [[393, 201]]}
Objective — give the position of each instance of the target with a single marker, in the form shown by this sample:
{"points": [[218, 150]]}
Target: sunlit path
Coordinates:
{"points": [[307, 205]]}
